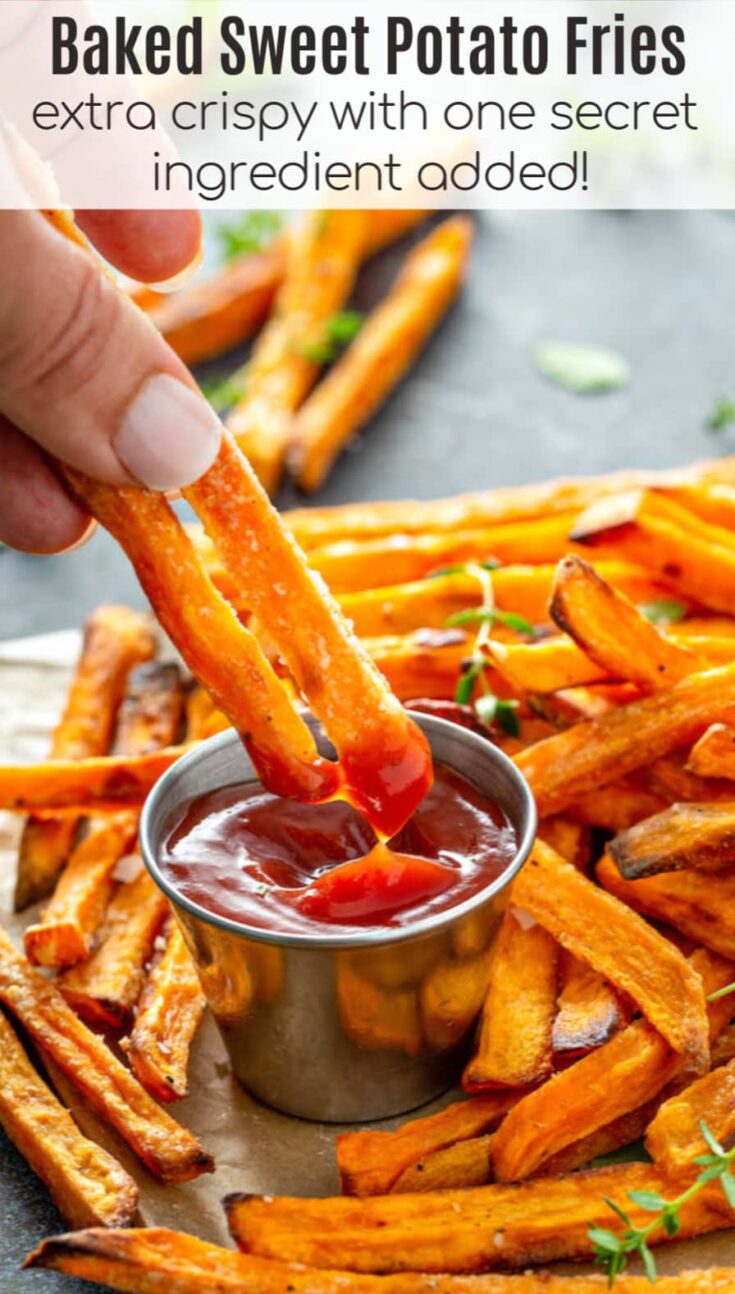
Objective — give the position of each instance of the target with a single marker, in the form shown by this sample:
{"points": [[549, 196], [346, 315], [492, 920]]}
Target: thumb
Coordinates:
{"points": [[85, 374]]}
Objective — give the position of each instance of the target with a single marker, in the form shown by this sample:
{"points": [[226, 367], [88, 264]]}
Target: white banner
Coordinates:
{"points": [[288, 104]]}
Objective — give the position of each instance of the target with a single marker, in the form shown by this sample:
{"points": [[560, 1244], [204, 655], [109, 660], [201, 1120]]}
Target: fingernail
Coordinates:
{"points": [[89, 530], [169, 435]]}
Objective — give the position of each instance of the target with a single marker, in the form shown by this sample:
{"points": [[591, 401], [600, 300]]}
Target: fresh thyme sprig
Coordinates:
{"points": [[490, 709], [336, 335], [612, 1251], [251, 232]]}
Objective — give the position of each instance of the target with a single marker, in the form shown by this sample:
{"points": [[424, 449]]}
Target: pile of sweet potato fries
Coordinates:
{"points": [[295, 289], [589, 638]]}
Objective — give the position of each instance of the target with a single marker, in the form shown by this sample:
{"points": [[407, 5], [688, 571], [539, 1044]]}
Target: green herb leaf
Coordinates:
{"points": [[664, 612], [603, 1239], [722, 415], [671, 1222], [649, 1264], [338, 332], [467, 680], [584, 369], [343, 327], [465, 568], [492, 709], [710, 1140], [728, 1186], [250, 233], [226, 391], [491, 616], [651, 1201]]}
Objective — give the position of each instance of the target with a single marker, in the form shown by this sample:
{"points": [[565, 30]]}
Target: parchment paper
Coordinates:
{"points": [[256, 1149]]}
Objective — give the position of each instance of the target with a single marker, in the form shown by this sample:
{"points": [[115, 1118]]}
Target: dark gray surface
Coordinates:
{"points": [[658, 287]]}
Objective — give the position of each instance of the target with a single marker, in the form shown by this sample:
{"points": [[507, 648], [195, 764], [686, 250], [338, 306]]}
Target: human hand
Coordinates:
{"points": [[84, 376]]}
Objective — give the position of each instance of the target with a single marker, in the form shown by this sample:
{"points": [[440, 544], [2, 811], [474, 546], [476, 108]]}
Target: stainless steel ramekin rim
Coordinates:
{"points": [[346, 940]]}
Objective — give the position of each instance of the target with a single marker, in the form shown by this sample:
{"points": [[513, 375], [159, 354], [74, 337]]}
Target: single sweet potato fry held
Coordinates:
{"points": [[523, 979], [481, 1229], [674, 1138], [389, 341], [700, 836], [168, 1014], [168, 1150], [615, 942], [699, 905], [371, 1162], [377, 742], [599, 751], [115, 640], [87, 1185], [144, 1260]]}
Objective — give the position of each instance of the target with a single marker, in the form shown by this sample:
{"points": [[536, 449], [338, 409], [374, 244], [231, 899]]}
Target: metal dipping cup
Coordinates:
{"points": [[348, 1027]]}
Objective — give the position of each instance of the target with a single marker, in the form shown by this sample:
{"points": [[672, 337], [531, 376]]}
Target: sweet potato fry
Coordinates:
{"points": [[87, 1185], [589, 1010], [714, 754], [150, 717], [370, 1163], [700, 836], [169, 1011], [426, 663], [609, 1082], [68, 925], [144, 1260], [613, 1136], [699, 905], [598, 751], [349, 566], [115, 640], [167, 1149], [480, 1229], [451, 997], [615, 807], [314, 527], [207, 318], [104, 989], [612, 632], [582, 1111], [618, 945], [324, 253], [523, 978], [674, 1138], [391, 338], [421, 604], [670, 778], [669, 540], [375, 1017], [367, 725], [103, 783], [548, 666], [466, 1163], [573, 840]]}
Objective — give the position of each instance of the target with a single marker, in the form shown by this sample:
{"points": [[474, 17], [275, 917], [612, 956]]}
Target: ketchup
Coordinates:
{"points": [[289, 867]]}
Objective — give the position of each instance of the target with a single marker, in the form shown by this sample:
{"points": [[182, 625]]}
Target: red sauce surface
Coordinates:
{"points": [[290, 867]]}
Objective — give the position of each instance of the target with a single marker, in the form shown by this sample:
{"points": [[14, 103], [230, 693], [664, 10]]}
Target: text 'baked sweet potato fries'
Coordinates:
{"points": [[585, 628]]}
